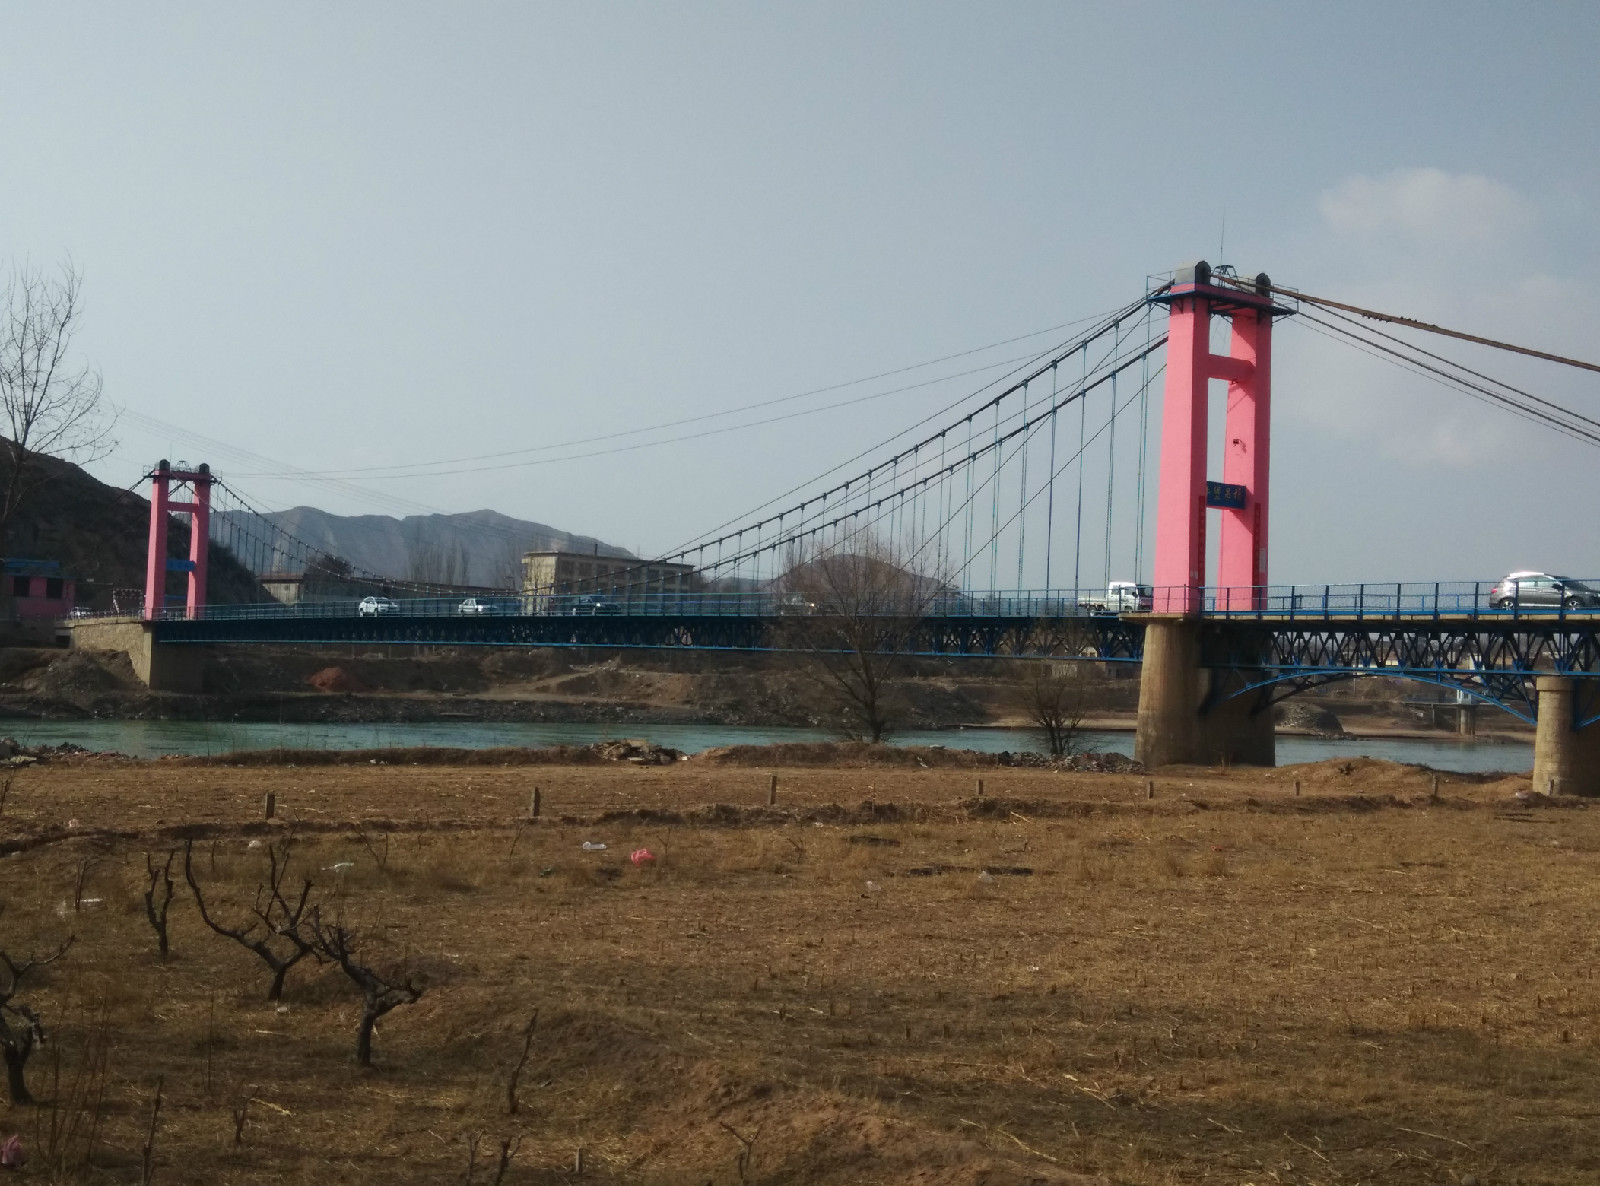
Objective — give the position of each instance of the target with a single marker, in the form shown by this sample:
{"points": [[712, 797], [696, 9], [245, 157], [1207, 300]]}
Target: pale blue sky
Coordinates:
{"points": [[372, 235]]}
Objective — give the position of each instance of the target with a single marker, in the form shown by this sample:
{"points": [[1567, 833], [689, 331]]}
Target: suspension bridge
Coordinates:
{"points": [[999, 525]]}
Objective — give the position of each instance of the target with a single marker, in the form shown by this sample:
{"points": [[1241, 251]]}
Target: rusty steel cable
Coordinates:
{"points": [[1412, 323]]}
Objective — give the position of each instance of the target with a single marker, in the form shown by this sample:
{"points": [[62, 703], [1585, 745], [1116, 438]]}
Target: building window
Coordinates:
{"points": [[53, 588], [20, 586]]}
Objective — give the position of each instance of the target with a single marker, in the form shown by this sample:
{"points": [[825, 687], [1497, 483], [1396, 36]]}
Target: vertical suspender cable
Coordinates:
{"points": [[943, 515], [967, 464], [1022, 491], [1077, 538], [1050, 502], [1144, 442], [1111, 476], [994, 504]]}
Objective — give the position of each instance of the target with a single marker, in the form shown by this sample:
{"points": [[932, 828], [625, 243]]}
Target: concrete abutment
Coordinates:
{"points": [[1187, 714], [162, 666], [1566, 759]]}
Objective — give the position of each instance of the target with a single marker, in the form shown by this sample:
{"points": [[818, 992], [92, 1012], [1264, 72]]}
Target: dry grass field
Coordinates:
{"points": [[1224, 983]]}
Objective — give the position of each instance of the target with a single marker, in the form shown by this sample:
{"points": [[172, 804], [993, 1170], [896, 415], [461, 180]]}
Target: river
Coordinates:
{"points": [[147, 739]]}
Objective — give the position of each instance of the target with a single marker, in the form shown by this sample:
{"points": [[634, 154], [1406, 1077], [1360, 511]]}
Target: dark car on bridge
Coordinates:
{"points": [[1535, 590], [589, 606]]}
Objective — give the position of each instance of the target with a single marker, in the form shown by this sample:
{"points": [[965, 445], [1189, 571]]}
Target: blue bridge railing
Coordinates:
{"points": [[1488, 600]]}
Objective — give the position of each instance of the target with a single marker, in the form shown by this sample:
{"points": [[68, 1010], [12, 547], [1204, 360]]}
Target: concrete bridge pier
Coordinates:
{"points": [[1184, 715], [163, 667], [1566, 760]]}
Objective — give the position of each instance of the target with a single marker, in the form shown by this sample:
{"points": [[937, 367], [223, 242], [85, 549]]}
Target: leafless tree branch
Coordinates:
{"points": [[277, 933], [49, 405], [1055, 702], [853, 611], [155, 907], [379, 992], [20, 1030]]}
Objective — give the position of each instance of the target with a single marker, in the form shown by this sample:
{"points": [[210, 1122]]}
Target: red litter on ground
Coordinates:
{"points": [[640, 855]]}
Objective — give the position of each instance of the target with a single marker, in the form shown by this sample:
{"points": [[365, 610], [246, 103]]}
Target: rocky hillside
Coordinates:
{"points": [[481, 548]]}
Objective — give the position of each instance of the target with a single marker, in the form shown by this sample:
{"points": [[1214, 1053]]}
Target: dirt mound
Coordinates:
{"points": [[843, 753], [80, 676], [638, 752], [731, 815], [1092, 762], [1104, 763], [335, 679]]}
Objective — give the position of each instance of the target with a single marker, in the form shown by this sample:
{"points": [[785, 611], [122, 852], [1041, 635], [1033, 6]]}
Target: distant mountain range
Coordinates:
{"points": [[481, 548]]}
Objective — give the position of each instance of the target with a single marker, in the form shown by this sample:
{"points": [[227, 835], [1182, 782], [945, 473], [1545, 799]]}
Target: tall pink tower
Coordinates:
{"points": [[1241, 496]]}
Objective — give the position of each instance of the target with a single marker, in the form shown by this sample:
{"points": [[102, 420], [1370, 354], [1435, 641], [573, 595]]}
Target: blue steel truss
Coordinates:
{"points": [[1495, 660]]}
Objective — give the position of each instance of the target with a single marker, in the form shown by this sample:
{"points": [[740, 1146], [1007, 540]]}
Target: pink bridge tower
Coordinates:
{"points": [[1241, 495], [198, 508]]}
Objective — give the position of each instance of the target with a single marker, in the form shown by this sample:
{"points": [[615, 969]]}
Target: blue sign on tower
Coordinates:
{"points": [[1225, 494]]}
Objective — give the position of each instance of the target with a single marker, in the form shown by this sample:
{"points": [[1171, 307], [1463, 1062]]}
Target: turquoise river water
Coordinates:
{"points": [[153, 738]]}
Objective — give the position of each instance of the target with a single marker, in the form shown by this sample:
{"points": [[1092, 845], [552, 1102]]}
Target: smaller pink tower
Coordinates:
{"points": [[198, 508]]}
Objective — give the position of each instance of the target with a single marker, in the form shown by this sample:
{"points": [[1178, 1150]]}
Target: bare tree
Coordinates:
{"points": [[854, 610], [380, 991], [20, 1030], [277, 931], [158, 897], [1055, 702], [49, 405]]}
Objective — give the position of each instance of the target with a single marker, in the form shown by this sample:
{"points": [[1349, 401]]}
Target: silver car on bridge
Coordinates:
{"points": [[1531, 590]]}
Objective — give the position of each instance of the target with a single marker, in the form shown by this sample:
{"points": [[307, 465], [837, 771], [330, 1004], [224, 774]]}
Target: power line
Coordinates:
{"points": [[371, 476], [766, 403]]}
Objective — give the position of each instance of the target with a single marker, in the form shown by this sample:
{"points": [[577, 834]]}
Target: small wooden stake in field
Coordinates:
{"points": [[533, 804], [980, 788], [772, 792], [269, 805], [1435, 790], [1150, 788], [1297, 788], [577, 1163]]}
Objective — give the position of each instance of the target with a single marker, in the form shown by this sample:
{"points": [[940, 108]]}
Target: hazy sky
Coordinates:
{"points": [[371, 235]]}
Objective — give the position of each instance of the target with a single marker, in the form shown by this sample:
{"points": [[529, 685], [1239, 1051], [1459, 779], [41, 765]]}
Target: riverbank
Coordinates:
{"points": [[153, 738]]}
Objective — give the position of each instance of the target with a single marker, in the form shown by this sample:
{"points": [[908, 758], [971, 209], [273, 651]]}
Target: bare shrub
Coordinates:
{"points": [[67, 1125], [856, 610], [158, 897], [20, 1030], [512, 1102], [380, 991], [1055, 703], [277, 930]]}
